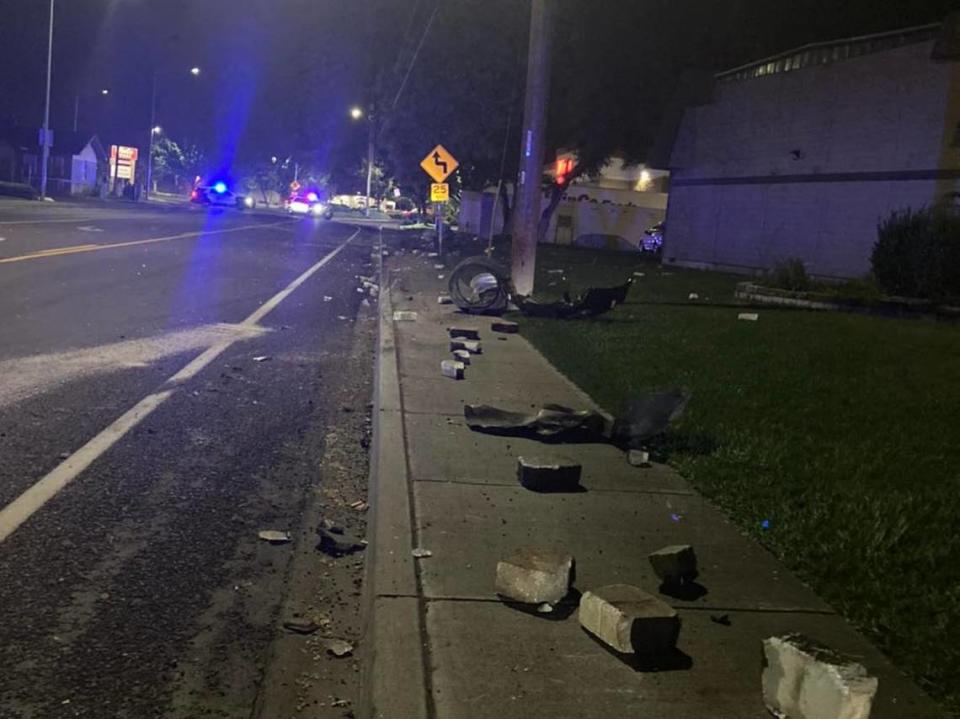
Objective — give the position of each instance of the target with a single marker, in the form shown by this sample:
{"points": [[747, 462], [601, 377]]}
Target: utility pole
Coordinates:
{"points": [[530, 192], [76, 111], [153, 124], [45, 150], [371, 153]]}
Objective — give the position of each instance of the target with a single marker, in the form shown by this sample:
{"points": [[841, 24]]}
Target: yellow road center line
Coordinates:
{"points": [[76, 249]]}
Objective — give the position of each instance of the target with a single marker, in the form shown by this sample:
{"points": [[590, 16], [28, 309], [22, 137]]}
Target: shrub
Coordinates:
{"points": [[790, 274], [917, 254]]}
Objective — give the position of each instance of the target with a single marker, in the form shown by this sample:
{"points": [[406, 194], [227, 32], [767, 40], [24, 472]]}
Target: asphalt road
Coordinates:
{"points": [[143, 447]]}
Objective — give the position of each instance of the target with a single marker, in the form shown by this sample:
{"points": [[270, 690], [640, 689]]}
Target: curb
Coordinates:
{"points": [[394, 668]]}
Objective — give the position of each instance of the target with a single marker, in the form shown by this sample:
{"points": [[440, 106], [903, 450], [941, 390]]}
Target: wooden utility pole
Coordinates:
{"points": [[530, 190]]}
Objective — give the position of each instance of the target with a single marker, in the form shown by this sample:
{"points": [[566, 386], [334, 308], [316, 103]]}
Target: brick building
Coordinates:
{"points": [[801, 154]]}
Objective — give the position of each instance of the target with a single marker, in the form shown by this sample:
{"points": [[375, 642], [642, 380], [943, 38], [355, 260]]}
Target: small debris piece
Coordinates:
{"points": [[748, 316], [629, 620], [723, 619], [555, 272], [338, 545], [430, 254], [545, 608], [327, 298], [365, 302], [64, 455], [462, 356], [440, 277], [803, 680], [638, 458], [331, 526], [359, 505], [548, 475], [444, 300], [639, 274], [506, 327], [439, 266], [452, 369], [465, 333], [421, 553], [404, 316], [676, 565], [534, 575], [470, 346], [338, 648], [274, 536], [261, 358], [301, 626], [693, 296]]}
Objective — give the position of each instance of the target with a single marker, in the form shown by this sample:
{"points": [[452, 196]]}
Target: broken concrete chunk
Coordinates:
{"points": [[338, 545], [505, 326], [462, 356], [693, 296], [469, 345], [452, 369], [629, 620], [274, 536], [803, 680], [338, 647], [444, 300], [534, 575], [548, 475], [638, 458], [404, 316], [421, 553], [466, 333], [676, 565], [439, 266], [748, 316]]}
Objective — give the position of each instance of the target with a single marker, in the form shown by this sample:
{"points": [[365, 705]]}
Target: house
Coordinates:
{"points": [[611, 210], [78, 162], [801, 154]]}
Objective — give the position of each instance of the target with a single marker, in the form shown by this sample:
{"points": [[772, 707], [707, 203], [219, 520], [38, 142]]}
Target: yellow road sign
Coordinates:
{"points": [[439, 164], [440, 192]]}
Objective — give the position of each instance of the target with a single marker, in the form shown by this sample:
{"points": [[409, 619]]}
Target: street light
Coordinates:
{"points": [[45, 150], [155, 129], [105, 91], [357, 113]]}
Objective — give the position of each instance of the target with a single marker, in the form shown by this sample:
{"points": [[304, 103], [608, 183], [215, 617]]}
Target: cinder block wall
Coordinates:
{"points": [[805, 163]]}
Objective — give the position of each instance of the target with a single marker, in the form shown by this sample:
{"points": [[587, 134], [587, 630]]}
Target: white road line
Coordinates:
{"points": [[46, 488]]}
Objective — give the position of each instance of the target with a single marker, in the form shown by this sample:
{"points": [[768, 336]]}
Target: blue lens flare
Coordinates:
{"points": [[220, 187]]}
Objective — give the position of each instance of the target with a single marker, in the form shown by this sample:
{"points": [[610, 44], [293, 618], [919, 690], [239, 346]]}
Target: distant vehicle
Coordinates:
{"points": [[653, 239], [308, 202], [219, 194]]}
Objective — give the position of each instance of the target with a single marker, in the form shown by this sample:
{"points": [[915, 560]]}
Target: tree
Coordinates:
{"points": [[174, 165]]}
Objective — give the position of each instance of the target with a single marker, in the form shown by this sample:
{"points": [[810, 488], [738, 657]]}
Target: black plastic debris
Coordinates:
{"points": [[595, 301]]}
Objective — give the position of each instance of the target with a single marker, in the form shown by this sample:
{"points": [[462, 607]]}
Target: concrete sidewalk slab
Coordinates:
{"points": [[609, 534], [451, 649], [454, 459], [537, 667]]}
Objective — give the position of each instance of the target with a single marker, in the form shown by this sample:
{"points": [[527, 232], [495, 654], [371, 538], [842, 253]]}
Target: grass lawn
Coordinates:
{"points": [[842, 430]]}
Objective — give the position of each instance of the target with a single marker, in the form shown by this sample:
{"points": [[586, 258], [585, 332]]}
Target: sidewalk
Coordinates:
{"points": [[440, 643]]}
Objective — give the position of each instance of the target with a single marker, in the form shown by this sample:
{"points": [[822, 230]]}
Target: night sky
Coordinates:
{"points": [[279, 75]]}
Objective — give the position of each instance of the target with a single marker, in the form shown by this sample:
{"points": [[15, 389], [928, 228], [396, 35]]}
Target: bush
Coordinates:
{"points": [[917, 254], [17, 189], [790, 274]]}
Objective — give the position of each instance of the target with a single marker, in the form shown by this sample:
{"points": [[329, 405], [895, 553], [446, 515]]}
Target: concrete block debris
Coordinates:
{"points": [[748, 316], [471, 346], [534, 575], [505, 327], [439, 266], [421, 553], [548, 475], [262, 358], [638, 458], [338, 647], [274, 536], [452, 369], [675, 565], [629, 620], [404, 316], [693, 296], [639, 274], [464, 333], [462, 356], [444, 300], [804, 680], [441, 277]]}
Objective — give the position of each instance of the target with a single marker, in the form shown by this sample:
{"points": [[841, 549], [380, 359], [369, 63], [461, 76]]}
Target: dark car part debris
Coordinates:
{"points": [[645, 417], [594, 301], [479, 285]]}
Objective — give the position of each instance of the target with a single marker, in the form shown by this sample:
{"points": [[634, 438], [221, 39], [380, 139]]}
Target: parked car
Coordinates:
{"points": [[219, 194], [308, 202]]}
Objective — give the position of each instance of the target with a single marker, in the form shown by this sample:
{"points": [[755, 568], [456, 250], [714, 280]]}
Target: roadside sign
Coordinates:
{"points": [[123, 162], [439, 164], [295, 186], [439, 192]]}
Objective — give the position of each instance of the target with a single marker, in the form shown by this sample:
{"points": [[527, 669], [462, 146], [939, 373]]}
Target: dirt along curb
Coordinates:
{"points": [[393, 672]]}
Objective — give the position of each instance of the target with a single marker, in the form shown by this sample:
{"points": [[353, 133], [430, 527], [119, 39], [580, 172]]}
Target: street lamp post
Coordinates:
{"points": [[154, 129], [356, 113], [45, 150]]}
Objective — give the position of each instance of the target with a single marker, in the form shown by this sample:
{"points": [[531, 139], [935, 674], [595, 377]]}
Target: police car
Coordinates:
{"points": [[219, 194]]}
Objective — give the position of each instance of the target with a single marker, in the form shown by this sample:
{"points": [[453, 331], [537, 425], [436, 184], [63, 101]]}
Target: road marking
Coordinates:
{"points": [[48, 486], [43, 222], [74, 249]]}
